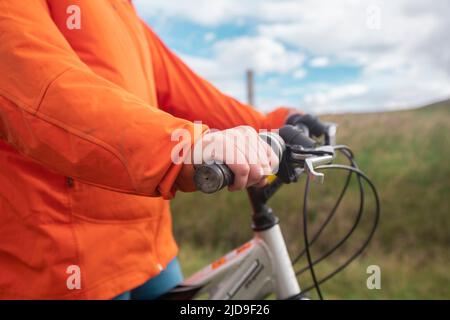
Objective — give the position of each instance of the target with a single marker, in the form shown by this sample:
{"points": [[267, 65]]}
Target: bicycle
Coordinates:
{"points": [[262, 265]]}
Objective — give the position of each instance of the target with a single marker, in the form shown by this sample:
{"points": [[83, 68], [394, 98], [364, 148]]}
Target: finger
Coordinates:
{"points": [[273, 159], [261, 183], [248, 144], [240, 169], [264, 154]]}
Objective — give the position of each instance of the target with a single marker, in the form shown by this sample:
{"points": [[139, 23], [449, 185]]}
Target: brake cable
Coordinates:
{"points": [[352, 229], [350, 157], [371, 233], [305, 236], [305, 223]]}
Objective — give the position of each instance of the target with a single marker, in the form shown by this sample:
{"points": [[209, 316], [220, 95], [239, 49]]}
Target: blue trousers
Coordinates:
{"points": [[168, 279]]}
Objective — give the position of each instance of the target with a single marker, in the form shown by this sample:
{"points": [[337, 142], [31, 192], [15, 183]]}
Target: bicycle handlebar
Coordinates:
{"points": [[210, 178]]}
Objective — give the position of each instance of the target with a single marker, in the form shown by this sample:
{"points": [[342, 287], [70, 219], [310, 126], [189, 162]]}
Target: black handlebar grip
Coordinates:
{"points": [[292, 136], [210, 178], [315, 126]]}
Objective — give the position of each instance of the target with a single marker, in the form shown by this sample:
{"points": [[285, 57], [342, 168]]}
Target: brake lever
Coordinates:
{"points": [[311, 162]]}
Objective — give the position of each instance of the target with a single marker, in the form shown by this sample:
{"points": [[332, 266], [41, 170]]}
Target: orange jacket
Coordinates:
{"points": [[86, 117]]}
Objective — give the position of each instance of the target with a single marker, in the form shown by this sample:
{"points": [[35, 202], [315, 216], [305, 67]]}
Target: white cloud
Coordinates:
{"points": [[319, 62], [299, 74], [209, 36], [203, 12], [327, 100], [259, 53], [232, 57], [404, 62]]}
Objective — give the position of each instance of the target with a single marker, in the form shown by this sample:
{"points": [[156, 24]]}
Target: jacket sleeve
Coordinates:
{"points": [[55, 110], [184, 94]]}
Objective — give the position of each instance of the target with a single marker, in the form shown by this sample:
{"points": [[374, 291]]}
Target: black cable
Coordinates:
{"points": [[352, 229], [305, 236], [371, 233], [349, 155]]}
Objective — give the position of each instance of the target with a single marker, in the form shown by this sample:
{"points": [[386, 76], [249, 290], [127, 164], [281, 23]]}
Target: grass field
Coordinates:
{"points": [[407, 155]]}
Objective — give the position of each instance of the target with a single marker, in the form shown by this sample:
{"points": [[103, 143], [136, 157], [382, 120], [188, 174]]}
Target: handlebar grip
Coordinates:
{"points": [[293, 136], [210, 178], [315, 126]]}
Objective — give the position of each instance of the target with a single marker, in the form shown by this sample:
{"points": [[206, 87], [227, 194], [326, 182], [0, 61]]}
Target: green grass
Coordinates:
{"points": [[407, 155]]}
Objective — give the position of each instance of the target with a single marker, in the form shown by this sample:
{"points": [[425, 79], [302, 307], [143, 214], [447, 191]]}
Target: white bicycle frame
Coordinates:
{"points": [[251, 272]]}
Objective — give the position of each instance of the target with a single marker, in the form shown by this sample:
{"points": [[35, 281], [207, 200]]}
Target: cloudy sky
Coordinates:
{"points": [[321, 56]]}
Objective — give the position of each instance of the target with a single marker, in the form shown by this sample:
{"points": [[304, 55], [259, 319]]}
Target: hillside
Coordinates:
{"points": [[406, 154]]}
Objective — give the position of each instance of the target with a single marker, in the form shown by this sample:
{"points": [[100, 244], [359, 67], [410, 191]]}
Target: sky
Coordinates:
{"points": [[319, 56]]}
